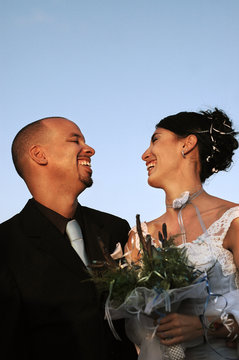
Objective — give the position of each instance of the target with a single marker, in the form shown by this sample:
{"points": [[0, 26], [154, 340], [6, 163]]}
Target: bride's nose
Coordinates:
{"points": [[145, 155]]}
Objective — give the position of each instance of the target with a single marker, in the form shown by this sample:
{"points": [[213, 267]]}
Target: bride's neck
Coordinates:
{"points": [[174, 192]]}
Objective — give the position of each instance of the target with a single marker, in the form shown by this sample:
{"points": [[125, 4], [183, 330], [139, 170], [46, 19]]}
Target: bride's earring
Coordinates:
{"points": [[183, 155]]}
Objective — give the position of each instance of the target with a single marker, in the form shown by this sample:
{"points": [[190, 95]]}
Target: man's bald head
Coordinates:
{"points": [[34, 133]]}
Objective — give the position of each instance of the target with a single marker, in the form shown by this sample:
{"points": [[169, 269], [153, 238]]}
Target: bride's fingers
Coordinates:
{"points": [[172, 341], [168, 322], [176, 328], [165, 327], [165, 334], [169, 318], [178, 334], [170, 333]]}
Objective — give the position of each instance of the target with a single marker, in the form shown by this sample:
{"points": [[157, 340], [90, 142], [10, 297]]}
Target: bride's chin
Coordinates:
{"points": [[153, 183]]}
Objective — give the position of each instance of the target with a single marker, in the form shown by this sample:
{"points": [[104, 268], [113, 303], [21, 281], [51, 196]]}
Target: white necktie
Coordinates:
{"points": [[74, 233]]}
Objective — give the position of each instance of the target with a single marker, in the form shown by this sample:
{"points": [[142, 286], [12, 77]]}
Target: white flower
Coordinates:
{"points": [[118, 252], [179, 202]]}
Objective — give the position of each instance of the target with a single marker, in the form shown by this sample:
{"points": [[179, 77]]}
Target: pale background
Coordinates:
{"points": [[115, 67]]}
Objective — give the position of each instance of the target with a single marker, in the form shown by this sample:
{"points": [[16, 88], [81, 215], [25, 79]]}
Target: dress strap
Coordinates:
{"points": [[181, 203]]}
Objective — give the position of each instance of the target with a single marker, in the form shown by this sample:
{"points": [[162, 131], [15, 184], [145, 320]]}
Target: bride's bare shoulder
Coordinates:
{"points": [[218, 206], [156, 224], [213, 208], [225, 203]]}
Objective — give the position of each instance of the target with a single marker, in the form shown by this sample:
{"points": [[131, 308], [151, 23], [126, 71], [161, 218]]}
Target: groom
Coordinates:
{"points": [[49, 308]]}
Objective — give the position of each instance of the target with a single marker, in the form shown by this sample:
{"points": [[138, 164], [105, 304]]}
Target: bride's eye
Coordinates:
{"points": [[154, 139]]}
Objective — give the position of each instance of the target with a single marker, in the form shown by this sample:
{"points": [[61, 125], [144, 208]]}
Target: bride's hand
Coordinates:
{"points": [[220, 331], [176, 328]]}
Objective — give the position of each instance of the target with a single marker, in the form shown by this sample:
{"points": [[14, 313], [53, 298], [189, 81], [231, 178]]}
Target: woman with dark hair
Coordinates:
{"points": [[185, 150]]}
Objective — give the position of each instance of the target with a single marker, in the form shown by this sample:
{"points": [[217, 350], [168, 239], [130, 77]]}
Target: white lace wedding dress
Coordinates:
{"points": [[207, 253]]}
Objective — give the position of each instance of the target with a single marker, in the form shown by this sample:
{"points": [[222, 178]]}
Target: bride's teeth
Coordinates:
{"points": [[150, 166]]}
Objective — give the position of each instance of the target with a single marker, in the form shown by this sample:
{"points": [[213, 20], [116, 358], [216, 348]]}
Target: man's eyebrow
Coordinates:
{"points": [[76, 135]]}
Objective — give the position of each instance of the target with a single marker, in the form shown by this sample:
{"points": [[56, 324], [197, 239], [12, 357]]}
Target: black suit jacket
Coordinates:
{"points": [[49, 309]]}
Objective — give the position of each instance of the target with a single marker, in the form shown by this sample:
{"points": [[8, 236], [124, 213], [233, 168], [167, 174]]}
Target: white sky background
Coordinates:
{"points": [[115, 67]]}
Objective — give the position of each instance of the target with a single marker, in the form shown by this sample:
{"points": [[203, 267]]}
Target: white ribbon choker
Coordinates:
{"points": [[180, 203], [185, 198]]}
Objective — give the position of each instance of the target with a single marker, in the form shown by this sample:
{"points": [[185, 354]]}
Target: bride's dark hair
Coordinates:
{"points": [[216, 137]]}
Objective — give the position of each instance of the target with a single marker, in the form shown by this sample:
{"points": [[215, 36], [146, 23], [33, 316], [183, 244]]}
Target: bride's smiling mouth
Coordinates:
{"points": [[150, 165]]}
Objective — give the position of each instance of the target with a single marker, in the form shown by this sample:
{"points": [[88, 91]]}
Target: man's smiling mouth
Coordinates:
{"points": [[84, 163]]}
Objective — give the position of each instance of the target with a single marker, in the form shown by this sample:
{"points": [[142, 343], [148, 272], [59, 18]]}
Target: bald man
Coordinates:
{"points": [[49, 309]]}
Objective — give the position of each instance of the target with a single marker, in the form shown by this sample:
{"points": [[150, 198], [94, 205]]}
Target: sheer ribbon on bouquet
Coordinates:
{"points": [[140, 310]]}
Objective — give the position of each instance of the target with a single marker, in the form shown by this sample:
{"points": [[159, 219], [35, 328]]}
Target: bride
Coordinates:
{"points": [[185, 150]]}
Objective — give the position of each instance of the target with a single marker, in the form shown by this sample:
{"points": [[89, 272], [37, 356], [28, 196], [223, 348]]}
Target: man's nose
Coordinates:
{"points": [[89, 150]]}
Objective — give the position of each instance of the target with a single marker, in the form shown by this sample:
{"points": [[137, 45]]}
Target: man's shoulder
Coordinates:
{"points": [[9, 222], [26, 217], [15, 218], [9, 230]]}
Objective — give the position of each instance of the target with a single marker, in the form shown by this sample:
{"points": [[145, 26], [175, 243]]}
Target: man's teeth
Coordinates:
{"points": [[85, 163]]}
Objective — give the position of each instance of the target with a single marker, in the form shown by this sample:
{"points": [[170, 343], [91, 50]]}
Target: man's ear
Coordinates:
{"points": [[190, 142], [37, 154]]}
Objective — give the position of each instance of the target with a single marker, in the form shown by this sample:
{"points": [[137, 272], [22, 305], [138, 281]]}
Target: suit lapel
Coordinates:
{"points": [[93, 229], [45, 236]]}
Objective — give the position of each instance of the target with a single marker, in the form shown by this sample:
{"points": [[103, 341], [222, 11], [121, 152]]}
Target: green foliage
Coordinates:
{"points": [[165, 268], [124, 281]]}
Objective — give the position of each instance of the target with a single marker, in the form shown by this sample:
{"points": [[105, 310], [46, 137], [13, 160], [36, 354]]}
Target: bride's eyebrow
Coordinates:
{"points": [[153, 136]]}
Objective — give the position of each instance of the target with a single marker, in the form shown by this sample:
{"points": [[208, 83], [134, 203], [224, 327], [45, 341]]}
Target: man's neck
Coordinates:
{"points": [[60, 206]]}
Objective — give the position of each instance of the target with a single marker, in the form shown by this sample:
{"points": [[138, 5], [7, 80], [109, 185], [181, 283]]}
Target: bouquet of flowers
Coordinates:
{"points": [[145, 290]]}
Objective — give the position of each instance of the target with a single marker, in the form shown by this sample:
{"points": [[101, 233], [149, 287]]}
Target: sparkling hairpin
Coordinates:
{"points": [[216, 130], [214, 147]]}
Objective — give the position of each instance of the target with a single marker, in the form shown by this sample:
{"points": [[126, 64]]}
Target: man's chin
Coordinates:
{"points": [[87, 182]]}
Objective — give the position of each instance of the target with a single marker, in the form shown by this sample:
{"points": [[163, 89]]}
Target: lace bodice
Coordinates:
{"points": [[207, 248]]}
